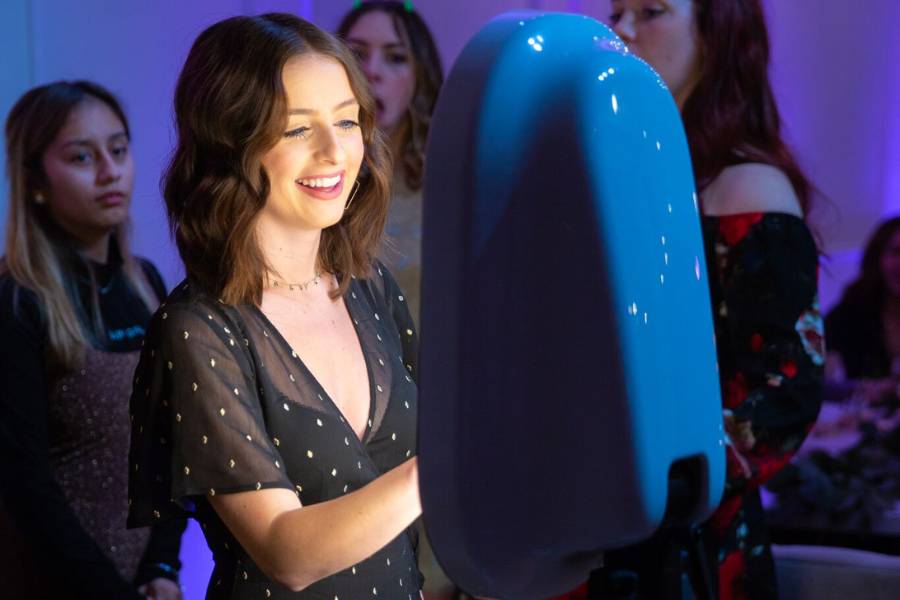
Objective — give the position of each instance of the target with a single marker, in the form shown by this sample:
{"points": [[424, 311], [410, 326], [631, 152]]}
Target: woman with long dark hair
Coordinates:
{"points": [[74, 303], [275, 400], [761, 255], [400, 60], [864, 327]]}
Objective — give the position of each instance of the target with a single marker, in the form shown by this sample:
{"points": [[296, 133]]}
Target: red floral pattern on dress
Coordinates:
{"points": [[734, 228], [763, 274]]}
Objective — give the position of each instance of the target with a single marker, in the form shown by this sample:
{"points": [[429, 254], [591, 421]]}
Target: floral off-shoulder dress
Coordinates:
{"points": [[763, 271]]}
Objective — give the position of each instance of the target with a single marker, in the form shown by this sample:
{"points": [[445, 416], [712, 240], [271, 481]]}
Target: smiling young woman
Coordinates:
{"points": [[276, 398]]}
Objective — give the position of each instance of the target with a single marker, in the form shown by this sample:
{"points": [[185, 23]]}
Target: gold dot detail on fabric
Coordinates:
{"points": [[394, 436], [334, 472], [309, 453], [236, 392], [276, 441], [277, 464], [408, 453], [194, 386], [231, 342], [285, 406], [169, 365], [353, 570], [156, 513], [231, 463], [400, 298], [291, 377], [187, 334], [245, 575], [405, 404], [268, 593], [299, 487], [409, 332], [346, 441], [212, 492], [212, 362], [293, 354], [222, 412], [380, 362], [178, 417], [249, 439], [205, 439], [258, 485], [187, 470], [165, 316], [378, 336], [319, 422], [228, 331]]}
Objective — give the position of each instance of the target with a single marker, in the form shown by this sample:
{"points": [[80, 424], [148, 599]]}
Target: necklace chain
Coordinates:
{"points": [[277, 283]]}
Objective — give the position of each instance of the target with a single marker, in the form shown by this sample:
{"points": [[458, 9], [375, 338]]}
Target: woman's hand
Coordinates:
{"points": [[161, 589]]}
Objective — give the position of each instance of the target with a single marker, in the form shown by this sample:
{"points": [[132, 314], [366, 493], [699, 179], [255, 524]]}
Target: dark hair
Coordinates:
{"points": [[731, 116], [39, 255], [868, 290], [230, 108], [414, 34]]}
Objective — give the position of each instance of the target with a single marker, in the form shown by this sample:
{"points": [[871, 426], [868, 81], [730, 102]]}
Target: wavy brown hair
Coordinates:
{"points": [[230, 108], [731, 116], [415, 35], [39, 254]]}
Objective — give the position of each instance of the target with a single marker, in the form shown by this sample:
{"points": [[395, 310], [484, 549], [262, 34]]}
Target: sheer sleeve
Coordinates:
{"points": [[198, 427], [398, 308]]}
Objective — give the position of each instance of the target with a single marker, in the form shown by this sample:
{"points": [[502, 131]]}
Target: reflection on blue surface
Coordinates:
{"points": [[568, 356]]}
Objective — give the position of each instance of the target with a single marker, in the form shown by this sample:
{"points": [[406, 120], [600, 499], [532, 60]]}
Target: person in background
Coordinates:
{"points": [[864, 327], [74, 304], [400, 60], [276, 397], [761, 256]]}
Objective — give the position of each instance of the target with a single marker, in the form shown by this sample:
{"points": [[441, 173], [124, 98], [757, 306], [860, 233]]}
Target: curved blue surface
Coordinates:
{"points": [[568, 356]]}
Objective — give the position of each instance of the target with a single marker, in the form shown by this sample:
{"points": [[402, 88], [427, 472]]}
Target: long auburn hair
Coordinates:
{"points": [[38, 252], [230, 108], [429, 74], [731, 116]]}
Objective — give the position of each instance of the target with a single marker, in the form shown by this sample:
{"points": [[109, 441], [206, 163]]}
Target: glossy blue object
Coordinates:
{"points": [[568, 356]]}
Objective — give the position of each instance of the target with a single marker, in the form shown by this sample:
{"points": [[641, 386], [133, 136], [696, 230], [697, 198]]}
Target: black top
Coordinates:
{"points": [[223, 404], [763, 272], [31, 495], [857, 334]]}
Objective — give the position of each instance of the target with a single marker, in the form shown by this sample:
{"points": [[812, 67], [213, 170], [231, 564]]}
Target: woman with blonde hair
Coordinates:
{"points": [[74, 303]]}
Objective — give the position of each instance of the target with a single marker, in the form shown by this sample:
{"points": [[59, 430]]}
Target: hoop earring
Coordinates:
{"points": [[352, 195]]}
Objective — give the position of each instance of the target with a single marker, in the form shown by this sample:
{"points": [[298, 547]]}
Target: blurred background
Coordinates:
{"points": [[836, 71]]}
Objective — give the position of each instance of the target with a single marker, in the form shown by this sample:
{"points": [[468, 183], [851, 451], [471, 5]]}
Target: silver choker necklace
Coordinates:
{"points": [[277, 283]]}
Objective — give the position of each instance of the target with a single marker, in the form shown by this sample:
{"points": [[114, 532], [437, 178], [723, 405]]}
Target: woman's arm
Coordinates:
{"points": [[298, 545]]}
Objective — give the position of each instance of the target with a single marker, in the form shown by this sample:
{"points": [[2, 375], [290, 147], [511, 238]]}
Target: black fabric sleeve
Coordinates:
{"points": [[395, 300], [34, 501], [198, 426]]}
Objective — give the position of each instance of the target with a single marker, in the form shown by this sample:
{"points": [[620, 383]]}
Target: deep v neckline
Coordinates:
{"points": [[354, 320]]}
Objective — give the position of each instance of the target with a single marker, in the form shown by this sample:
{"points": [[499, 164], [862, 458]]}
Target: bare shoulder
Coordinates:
{"points": [[751, 187]]}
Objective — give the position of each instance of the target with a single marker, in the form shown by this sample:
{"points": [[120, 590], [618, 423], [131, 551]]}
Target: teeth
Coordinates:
{"points": [[321, 182]]}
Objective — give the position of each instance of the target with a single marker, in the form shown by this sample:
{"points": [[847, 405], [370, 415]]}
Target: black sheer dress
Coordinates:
{"points": [[223, 404]]}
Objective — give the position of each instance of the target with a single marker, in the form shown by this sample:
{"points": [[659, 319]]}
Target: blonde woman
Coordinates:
{"points": [[74, 303]]}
